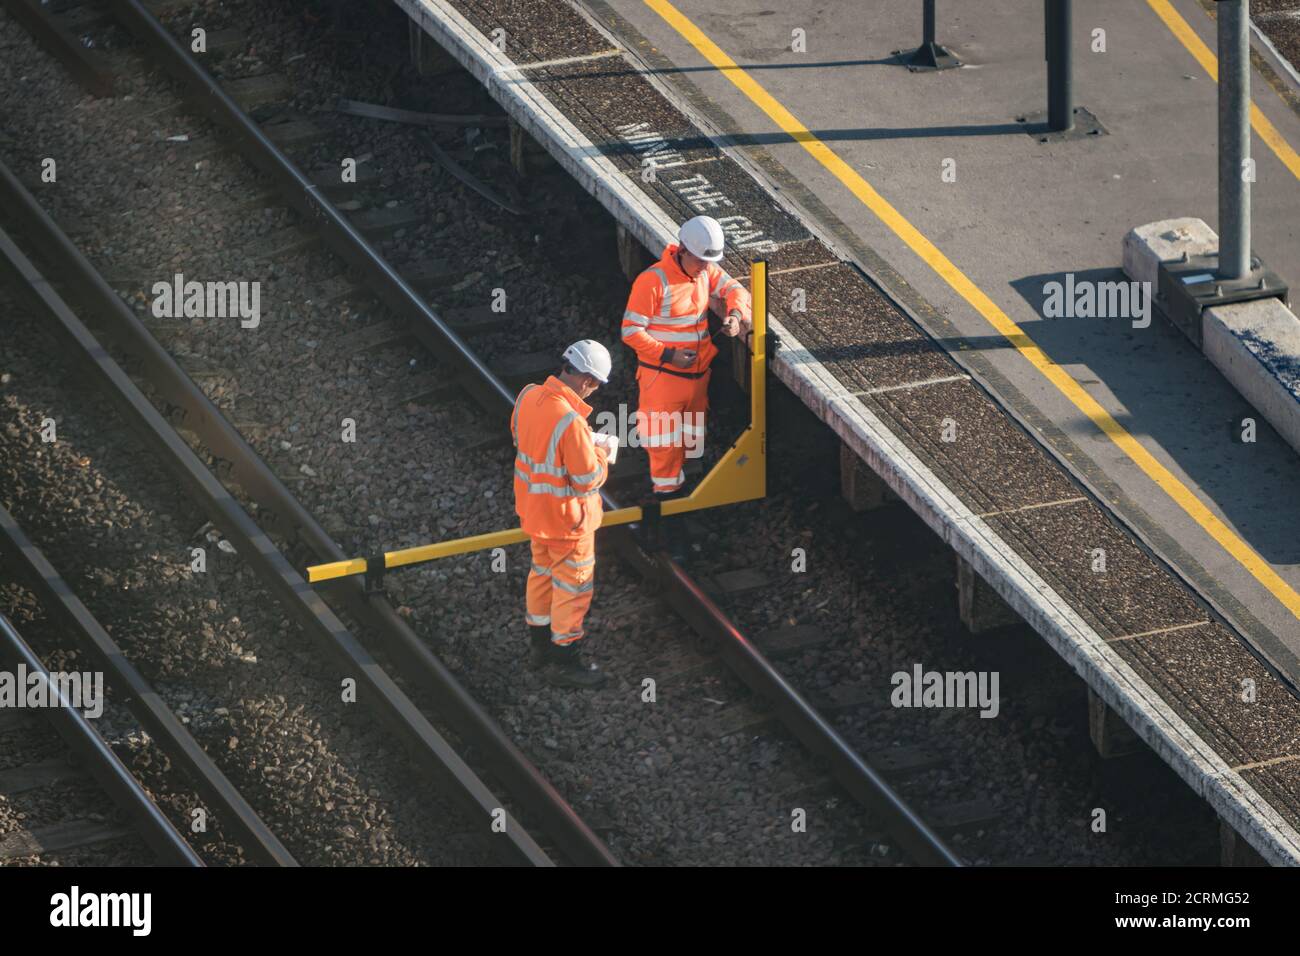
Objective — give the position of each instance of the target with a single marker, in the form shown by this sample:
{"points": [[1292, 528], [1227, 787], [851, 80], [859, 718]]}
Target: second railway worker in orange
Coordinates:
{"points": [[559, 469], [667, 325]]}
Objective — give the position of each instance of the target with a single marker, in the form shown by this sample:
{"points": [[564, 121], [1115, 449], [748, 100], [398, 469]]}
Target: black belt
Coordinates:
{"points": [[674, 371]]}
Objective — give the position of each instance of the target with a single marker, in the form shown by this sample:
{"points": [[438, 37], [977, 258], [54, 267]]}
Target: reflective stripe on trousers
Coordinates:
{"points": [[561, 584], [670, 404]]}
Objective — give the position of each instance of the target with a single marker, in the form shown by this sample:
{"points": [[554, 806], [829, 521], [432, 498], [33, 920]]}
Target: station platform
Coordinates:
{"points": [[1020, 214], [907, 306]]}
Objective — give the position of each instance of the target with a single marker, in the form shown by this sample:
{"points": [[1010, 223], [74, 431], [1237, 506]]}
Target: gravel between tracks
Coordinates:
{"points": [[214, 644]]}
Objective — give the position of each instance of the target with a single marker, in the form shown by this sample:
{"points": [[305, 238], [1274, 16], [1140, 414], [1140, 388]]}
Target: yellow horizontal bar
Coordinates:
{"points": [[335, 569], [447, 549], [479, 542]]}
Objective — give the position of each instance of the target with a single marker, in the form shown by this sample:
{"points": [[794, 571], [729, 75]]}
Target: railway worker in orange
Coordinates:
{"points": [[667, 325], [559, 469]]}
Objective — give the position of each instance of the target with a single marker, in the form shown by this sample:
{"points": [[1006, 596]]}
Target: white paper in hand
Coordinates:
{"points": [[609, 443]]}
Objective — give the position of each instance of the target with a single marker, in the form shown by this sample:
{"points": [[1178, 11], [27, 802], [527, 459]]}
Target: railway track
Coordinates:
{"points": [[229, 709], [358, 671], [53, 811], [703, 686], [48, 601]]}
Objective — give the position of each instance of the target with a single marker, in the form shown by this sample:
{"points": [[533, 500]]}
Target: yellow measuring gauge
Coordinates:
{"points": [[741, 474]]}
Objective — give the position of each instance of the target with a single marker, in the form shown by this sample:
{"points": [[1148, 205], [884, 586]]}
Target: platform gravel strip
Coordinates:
{"points": [[949, 486]]}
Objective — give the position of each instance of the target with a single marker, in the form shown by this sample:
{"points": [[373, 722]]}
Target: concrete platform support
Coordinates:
{"points": [[861, 487], [428, 58], [632, 257], [980, 607], [518, 142], [1110, 735], [1234, 851]]}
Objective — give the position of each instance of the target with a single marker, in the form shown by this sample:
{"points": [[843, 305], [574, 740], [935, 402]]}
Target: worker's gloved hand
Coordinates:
{"points": [[683, 358], [731, 324]]}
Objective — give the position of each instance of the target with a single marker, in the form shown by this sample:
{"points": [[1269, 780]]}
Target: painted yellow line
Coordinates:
{"points": [[1235, 546], [1210, 64]]}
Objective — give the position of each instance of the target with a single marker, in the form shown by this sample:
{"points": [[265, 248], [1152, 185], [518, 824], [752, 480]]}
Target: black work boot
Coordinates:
{"points": [[539, 637], [674, 536], [650, 532], [566, 668]]}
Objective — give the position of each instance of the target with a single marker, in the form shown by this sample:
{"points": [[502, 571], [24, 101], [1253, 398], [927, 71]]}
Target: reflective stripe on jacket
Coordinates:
{"points": [[667, 309], [558, 468]]}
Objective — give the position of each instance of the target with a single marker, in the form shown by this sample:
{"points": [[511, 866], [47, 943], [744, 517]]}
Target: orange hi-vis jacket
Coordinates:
{"points": [[558, 468], [668, 309]]}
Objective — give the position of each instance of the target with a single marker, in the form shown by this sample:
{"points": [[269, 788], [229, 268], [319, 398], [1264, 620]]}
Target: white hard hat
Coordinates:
{"points": [[702, 237], [590, 357]]}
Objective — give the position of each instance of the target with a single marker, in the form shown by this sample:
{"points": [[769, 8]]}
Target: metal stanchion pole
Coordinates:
{"points": [[929, 55], [1060, 66], [1234, 138]]}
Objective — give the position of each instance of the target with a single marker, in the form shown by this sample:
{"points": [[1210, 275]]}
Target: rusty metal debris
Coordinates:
{"points": [[470, 180]]}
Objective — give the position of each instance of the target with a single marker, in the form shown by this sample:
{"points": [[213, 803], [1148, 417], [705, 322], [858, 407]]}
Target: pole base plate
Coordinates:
{"points": [[929, 57], [1187, 287], [1086, 126]]}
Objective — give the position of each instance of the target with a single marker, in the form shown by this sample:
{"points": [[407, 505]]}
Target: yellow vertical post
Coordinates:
{"points": [[758, 375]]}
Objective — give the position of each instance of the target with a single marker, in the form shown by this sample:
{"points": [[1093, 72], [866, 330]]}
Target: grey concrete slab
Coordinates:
{"points": [[1021, 214]]}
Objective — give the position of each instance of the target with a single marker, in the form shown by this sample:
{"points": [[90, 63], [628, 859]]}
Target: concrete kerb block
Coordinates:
{"points": [[1165, 241], [1255, 345]]}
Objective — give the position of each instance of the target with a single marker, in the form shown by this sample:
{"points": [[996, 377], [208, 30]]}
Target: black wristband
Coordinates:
{"points": [[667, 356]]}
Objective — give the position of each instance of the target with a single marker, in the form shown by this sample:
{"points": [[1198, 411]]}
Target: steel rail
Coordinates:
{"points": [[233, 812], [428, 747], [465, 716], [857, 776], [84, 740], [425, 324]]}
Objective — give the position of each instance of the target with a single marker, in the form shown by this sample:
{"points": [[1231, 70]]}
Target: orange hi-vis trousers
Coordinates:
{"points": [[670, 421], [561, 585]]}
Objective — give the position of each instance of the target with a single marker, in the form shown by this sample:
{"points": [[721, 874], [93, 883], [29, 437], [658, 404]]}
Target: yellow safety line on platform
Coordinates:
{"points": [[1258, 568], [1188, 37], [740, 475]]}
